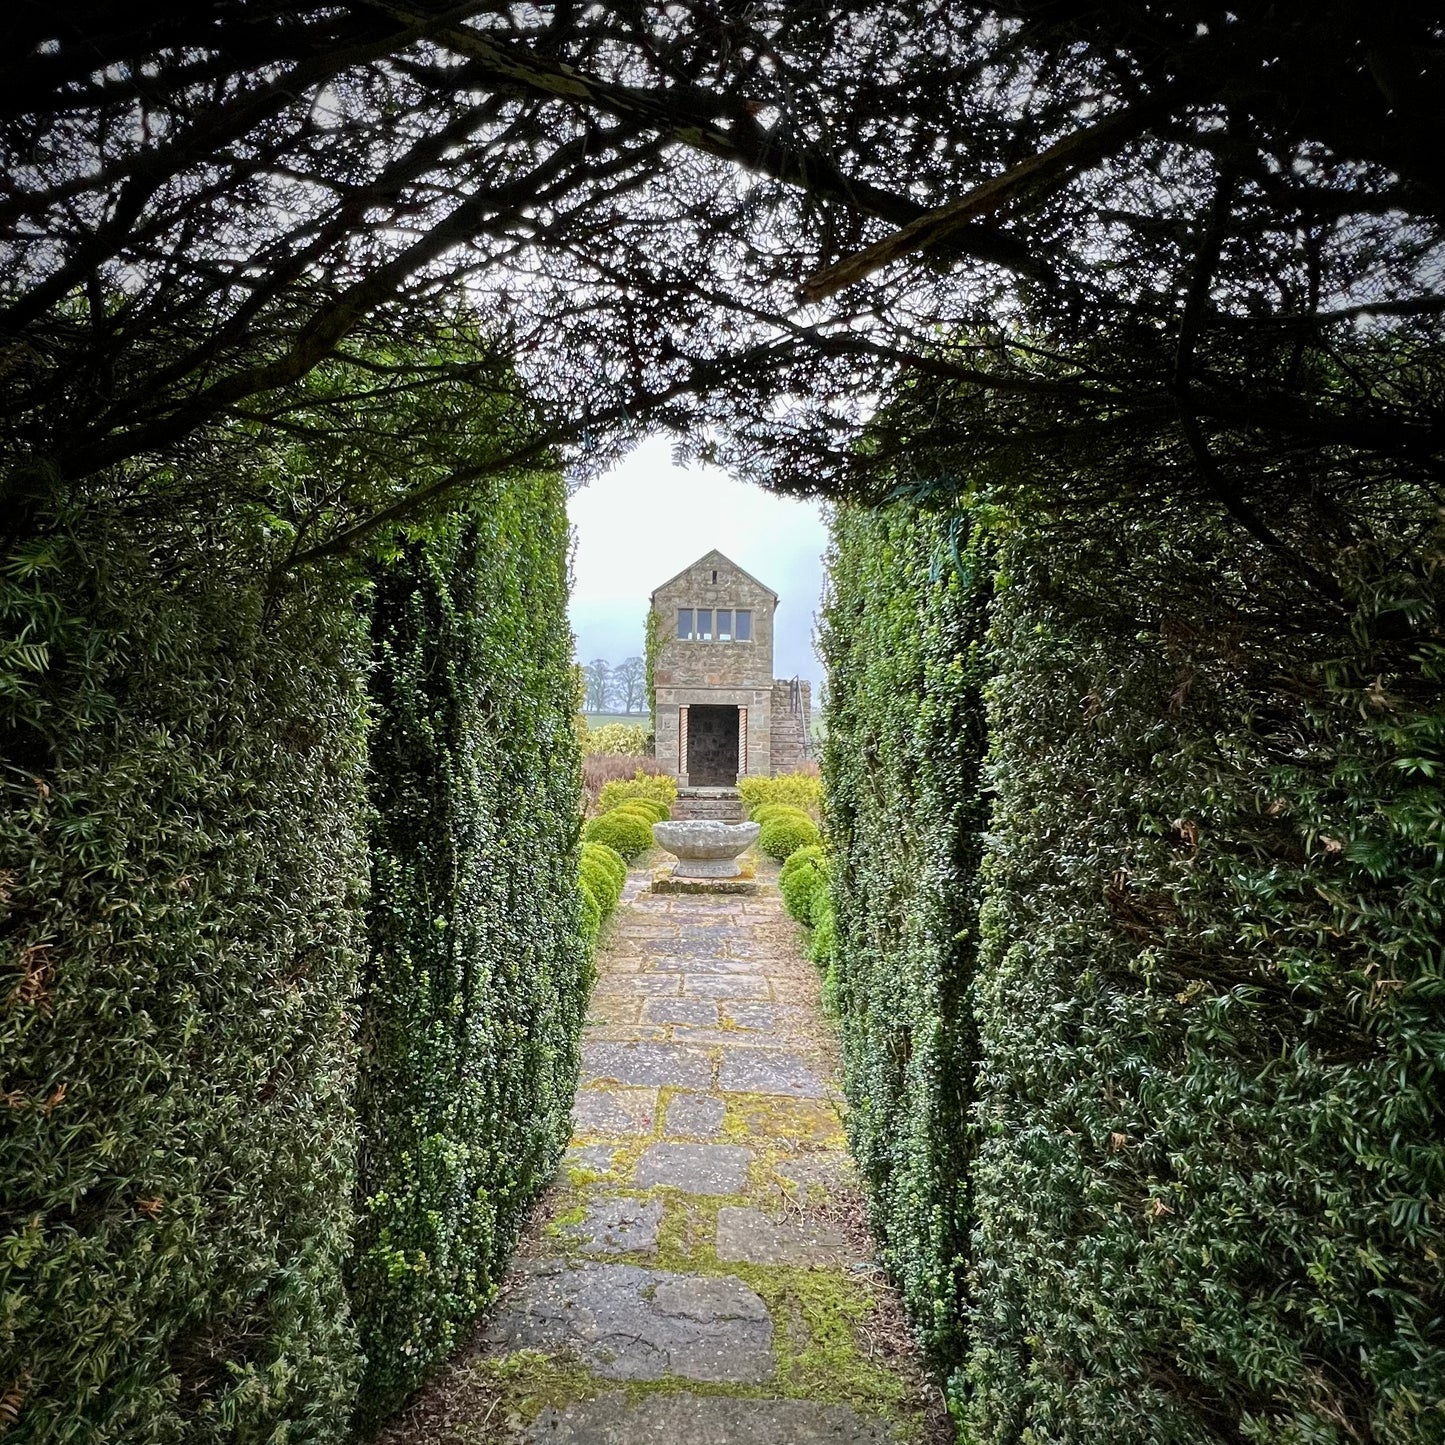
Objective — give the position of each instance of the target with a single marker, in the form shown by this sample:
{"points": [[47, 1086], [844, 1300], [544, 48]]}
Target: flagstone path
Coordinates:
{"points": [[700, 1271]]}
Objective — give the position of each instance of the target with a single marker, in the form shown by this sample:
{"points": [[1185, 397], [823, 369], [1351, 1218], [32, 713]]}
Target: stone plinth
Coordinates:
{"points": [[706, 849]]}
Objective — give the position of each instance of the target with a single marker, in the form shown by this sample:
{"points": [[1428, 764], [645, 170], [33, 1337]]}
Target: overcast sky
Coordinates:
{"points": [[646, 519]]}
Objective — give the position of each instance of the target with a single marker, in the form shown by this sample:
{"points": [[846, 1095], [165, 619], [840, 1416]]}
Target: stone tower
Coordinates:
{"points": [[721, 714]]}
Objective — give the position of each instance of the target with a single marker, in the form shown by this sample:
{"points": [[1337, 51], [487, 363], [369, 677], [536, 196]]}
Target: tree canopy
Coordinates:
{"points": [[1209, 231]]}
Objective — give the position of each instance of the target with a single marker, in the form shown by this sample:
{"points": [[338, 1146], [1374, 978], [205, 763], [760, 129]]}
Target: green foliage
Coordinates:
{"points": [[651, 651], [787, 830], [803, 879], [768, 811], [604, 870], [180, 909], [793, 790], [648, 808], [478, 970], [623, 739], [630, 834], [656, 787], [1211, 1008], [1180, 1186], [901, 635]]}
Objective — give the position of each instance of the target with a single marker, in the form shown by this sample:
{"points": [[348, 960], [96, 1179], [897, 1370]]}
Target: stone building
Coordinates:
{"points": [[721, 714]]}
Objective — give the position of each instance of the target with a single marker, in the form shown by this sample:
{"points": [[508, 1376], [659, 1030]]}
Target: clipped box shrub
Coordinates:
{"points": [[599, 878], [785, 831], [768, 811], [648, 808], [629, 834], [479, 931], [793, 790], [804, 876], [593, 910], [653, 788], [609, 865], [626, 739], [180, 901]]}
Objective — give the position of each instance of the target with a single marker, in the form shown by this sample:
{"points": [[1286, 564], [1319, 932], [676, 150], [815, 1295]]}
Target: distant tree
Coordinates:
{"points": [[598, 673], [629, 684]]}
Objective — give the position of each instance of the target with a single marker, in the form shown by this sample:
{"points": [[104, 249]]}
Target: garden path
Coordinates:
{"points": [[699, 1272]]}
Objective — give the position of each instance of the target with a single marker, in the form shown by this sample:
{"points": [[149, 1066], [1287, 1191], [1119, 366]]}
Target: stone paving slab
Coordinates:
{"points": [[751, 1014], [770, 1071], [681, 1011], [625, 1322], [749, 1236], [617, 1224], [693, 1116], [721, 986], [648, 1063], [695, 1168], [595, 1158], [623, 1113], [705, 1420], [626, 1033], [706, 963], [630, 985]]}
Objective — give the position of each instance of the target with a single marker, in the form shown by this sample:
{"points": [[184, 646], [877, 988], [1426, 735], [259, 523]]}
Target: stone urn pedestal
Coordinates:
{"points": [[708, 857]]}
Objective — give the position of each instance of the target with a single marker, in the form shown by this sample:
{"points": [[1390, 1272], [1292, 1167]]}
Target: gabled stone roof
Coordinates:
{"points": [[708, 558]]}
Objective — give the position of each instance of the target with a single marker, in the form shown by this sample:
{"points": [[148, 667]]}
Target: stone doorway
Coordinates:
{"points": [[712, 747]]}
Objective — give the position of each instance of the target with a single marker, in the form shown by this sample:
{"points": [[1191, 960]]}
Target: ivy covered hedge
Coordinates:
{"points": [[1196, 1170], [477, 975], [184, 859]]}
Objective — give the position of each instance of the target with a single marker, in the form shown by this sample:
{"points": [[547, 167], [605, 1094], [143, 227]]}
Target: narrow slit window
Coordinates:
{"points": [[684, 623], [724, 625], [743, 626], [704, 624]]}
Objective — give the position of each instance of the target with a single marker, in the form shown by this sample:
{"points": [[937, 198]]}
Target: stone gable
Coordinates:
{"points": [[715, 695]]}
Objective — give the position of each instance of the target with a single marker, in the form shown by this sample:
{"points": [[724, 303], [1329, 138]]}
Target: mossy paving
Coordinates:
{"points": [[699, 1269]]}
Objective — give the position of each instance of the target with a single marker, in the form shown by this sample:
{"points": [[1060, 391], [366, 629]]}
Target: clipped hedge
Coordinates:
{"points": [[648, 808], [629, 834], [604, 870], [1182, 1186], [792, 790], [901, 635], [803, 881], [478, 969], [184, 863], [1215, 1135], [785, 831], [654, 788]]}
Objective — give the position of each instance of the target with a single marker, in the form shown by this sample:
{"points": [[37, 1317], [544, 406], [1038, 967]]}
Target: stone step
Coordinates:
{"points": [[715, 805]]}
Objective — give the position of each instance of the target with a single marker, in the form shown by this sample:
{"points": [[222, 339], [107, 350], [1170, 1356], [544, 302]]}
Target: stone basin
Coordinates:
{"points": [[706, 849]]}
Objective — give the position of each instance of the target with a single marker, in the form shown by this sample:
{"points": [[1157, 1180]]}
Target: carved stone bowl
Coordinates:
{"points": [[706, 849]]}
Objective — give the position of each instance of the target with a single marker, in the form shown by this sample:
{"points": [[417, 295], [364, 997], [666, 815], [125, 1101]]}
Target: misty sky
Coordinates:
{"points": [[646, 519]]}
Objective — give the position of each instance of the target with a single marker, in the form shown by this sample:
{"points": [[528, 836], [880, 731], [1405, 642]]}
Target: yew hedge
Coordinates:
{"points": [[184, 859], [478, 972], [214, 1226], [1183, 934], [899, 634]]}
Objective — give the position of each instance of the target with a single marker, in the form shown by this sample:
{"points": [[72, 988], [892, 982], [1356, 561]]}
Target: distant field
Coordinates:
{"points": [[601, 719]]}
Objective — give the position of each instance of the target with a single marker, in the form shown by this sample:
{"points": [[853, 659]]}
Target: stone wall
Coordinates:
{"points": [[792, 742]]}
